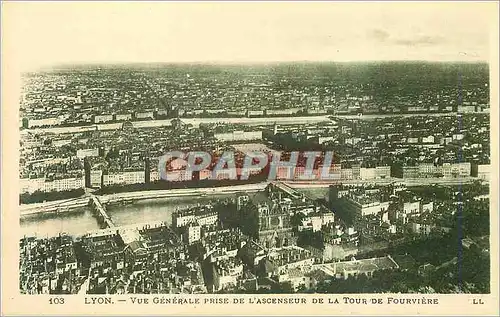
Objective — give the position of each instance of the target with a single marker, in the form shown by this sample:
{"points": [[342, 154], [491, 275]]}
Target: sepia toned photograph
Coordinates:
{"points": [[277, 155]]}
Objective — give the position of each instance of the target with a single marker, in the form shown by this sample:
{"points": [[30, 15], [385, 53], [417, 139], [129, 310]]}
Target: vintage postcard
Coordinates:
{"points": [[249, 158]]}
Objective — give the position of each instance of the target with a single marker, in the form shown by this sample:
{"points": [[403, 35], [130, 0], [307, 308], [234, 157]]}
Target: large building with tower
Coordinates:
{"points": [[265, 216]]}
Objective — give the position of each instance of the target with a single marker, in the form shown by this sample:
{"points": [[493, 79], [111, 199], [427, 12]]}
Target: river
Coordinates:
{"points": [[158, 209], [194, 121], [80, 221], [74, 222]]}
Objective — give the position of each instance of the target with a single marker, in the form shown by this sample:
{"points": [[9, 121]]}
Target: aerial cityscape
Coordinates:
{"points": [[407, 210]]}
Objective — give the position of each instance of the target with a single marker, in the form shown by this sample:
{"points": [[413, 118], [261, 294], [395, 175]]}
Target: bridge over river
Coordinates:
{"points": [[100, 213]]}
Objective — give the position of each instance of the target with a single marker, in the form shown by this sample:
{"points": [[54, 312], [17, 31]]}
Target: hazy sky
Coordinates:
{"points": [[41, 34]]}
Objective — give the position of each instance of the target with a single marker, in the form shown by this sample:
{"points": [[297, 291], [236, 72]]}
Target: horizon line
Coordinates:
{"points": [[251, 63]]}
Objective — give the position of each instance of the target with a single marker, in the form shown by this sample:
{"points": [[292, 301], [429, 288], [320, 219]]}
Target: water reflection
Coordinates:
{"points": [[75, 222], [150, 210], [80, 221]]}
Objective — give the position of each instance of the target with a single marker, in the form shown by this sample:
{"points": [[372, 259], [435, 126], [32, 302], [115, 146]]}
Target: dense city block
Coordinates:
{"points": [[406, 209]]}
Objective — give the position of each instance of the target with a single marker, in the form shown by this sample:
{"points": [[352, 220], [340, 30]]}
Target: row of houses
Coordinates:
{"points": [[423, 170], [31, 185]]}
